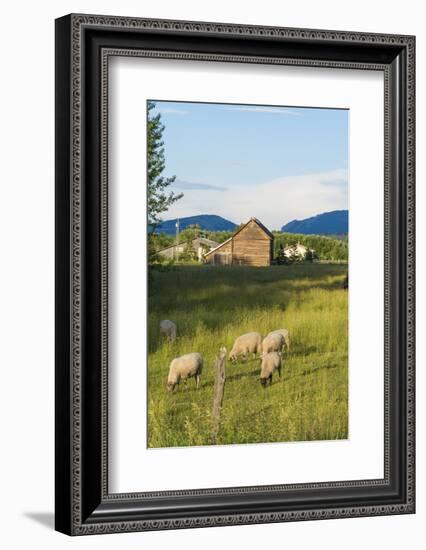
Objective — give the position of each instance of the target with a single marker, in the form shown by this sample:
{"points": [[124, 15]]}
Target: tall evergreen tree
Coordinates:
{"points": [[159, 197]]}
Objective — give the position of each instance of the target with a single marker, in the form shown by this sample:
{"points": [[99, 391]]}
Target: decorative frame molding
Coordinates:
{"points": [[84, 44]]}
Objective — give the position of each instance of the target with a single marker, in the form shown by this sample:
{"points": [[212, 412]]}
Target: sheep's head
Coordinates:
{"points": [[170, 386]]}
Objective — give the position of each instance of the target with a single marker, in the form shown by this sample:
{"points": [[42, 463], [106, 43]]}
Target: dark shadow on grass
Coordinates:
{"points": [[336, 285], [226, 284], [228, 289], [276, 381], [156, 342], [298, 349], [240, 375], [188, 388], [307, 372], [191, 388]]}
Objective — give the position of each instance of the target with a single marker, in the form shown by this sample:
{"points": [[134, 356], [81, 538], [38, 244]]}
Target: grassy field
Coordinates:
{"points": [[212, 306]]}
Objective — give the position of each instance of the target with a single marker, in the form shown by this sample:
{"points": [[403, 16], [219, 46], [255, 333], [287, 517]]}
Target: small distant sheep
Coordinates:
{"points": [[271, 362], [244, 344], [168, 330], [184, 367], [273, 342], [284, 332]]}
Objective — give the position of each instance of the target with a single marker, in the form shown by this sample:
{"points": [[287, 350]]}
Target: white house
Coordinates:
{"points": [[298, 250]]}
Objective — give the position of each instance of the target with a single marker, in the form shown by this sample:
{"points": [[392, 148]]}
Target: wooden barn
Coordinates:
{"points": [[252, 244]]}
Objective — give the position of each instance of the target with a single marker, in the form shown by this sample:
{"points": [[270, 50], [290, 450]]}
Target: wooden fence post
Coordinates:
{"points": [[219, 388]]}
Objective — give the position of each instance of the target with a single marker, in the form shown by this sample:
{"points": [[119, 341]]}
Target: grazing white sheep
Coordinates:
{"points": [[284, 332], [183, 367], [168, 330], [244, 344], [271, 362], [272, 342]]}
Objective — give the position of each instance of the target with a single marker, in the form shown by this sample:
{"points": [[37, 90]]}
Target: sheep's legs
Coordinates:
{"points": [[197, 381]]}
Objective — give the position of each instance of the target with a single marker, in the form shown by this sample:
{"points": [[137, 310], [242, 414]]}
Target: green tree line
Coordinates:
{"points": [[325, 248]]}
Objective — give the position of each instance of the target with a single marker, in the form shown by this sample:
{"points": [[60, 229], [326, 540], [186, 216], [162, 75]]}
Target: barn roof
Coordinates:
{"points": [[217, 247], [260, 224], [203, 240]]}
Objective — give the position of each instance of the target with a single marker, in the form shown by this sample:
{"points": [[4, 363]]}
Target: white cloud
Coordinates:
{"points": [[186, 185], [274, 202]]}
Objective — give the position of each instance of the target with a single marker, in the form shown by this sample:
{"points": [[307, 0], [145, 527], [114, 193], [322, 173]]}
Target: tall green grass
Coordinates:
{"points": [[213, 305]]}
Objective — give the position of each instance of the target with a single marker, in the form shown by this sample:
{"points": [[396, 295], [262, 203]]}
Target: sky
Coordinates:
{"points": [[275, 163]]}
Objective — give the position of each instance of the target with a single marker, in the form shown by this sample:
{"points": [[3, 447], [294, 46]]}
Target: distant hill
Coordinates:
{"points": [[208, 222], [328, 223]]}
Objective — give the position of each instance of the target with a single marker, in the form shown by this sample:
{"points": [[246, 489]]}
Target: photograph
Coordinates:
{"points": [[234, 274], [248, 259]]}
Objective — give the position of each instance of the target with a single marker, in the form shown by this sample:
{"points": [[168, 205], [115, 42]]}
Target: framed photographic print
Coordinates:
{"points": [[234, 274]]}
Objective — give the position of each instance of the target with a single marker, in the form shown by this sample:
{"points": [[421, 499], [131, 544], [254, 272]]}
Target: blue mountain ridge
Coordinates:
{"points": [[208, 222], [327, 223]]}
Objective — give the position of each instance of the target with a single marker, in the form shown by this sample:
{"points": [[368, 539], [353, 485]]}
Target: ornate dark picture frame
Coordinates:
{"points": [[84, 44]]}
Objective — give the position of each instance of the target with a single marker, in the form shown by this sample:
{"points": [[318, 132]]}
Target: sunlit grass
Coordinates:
{"points": [[211, 307]]}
